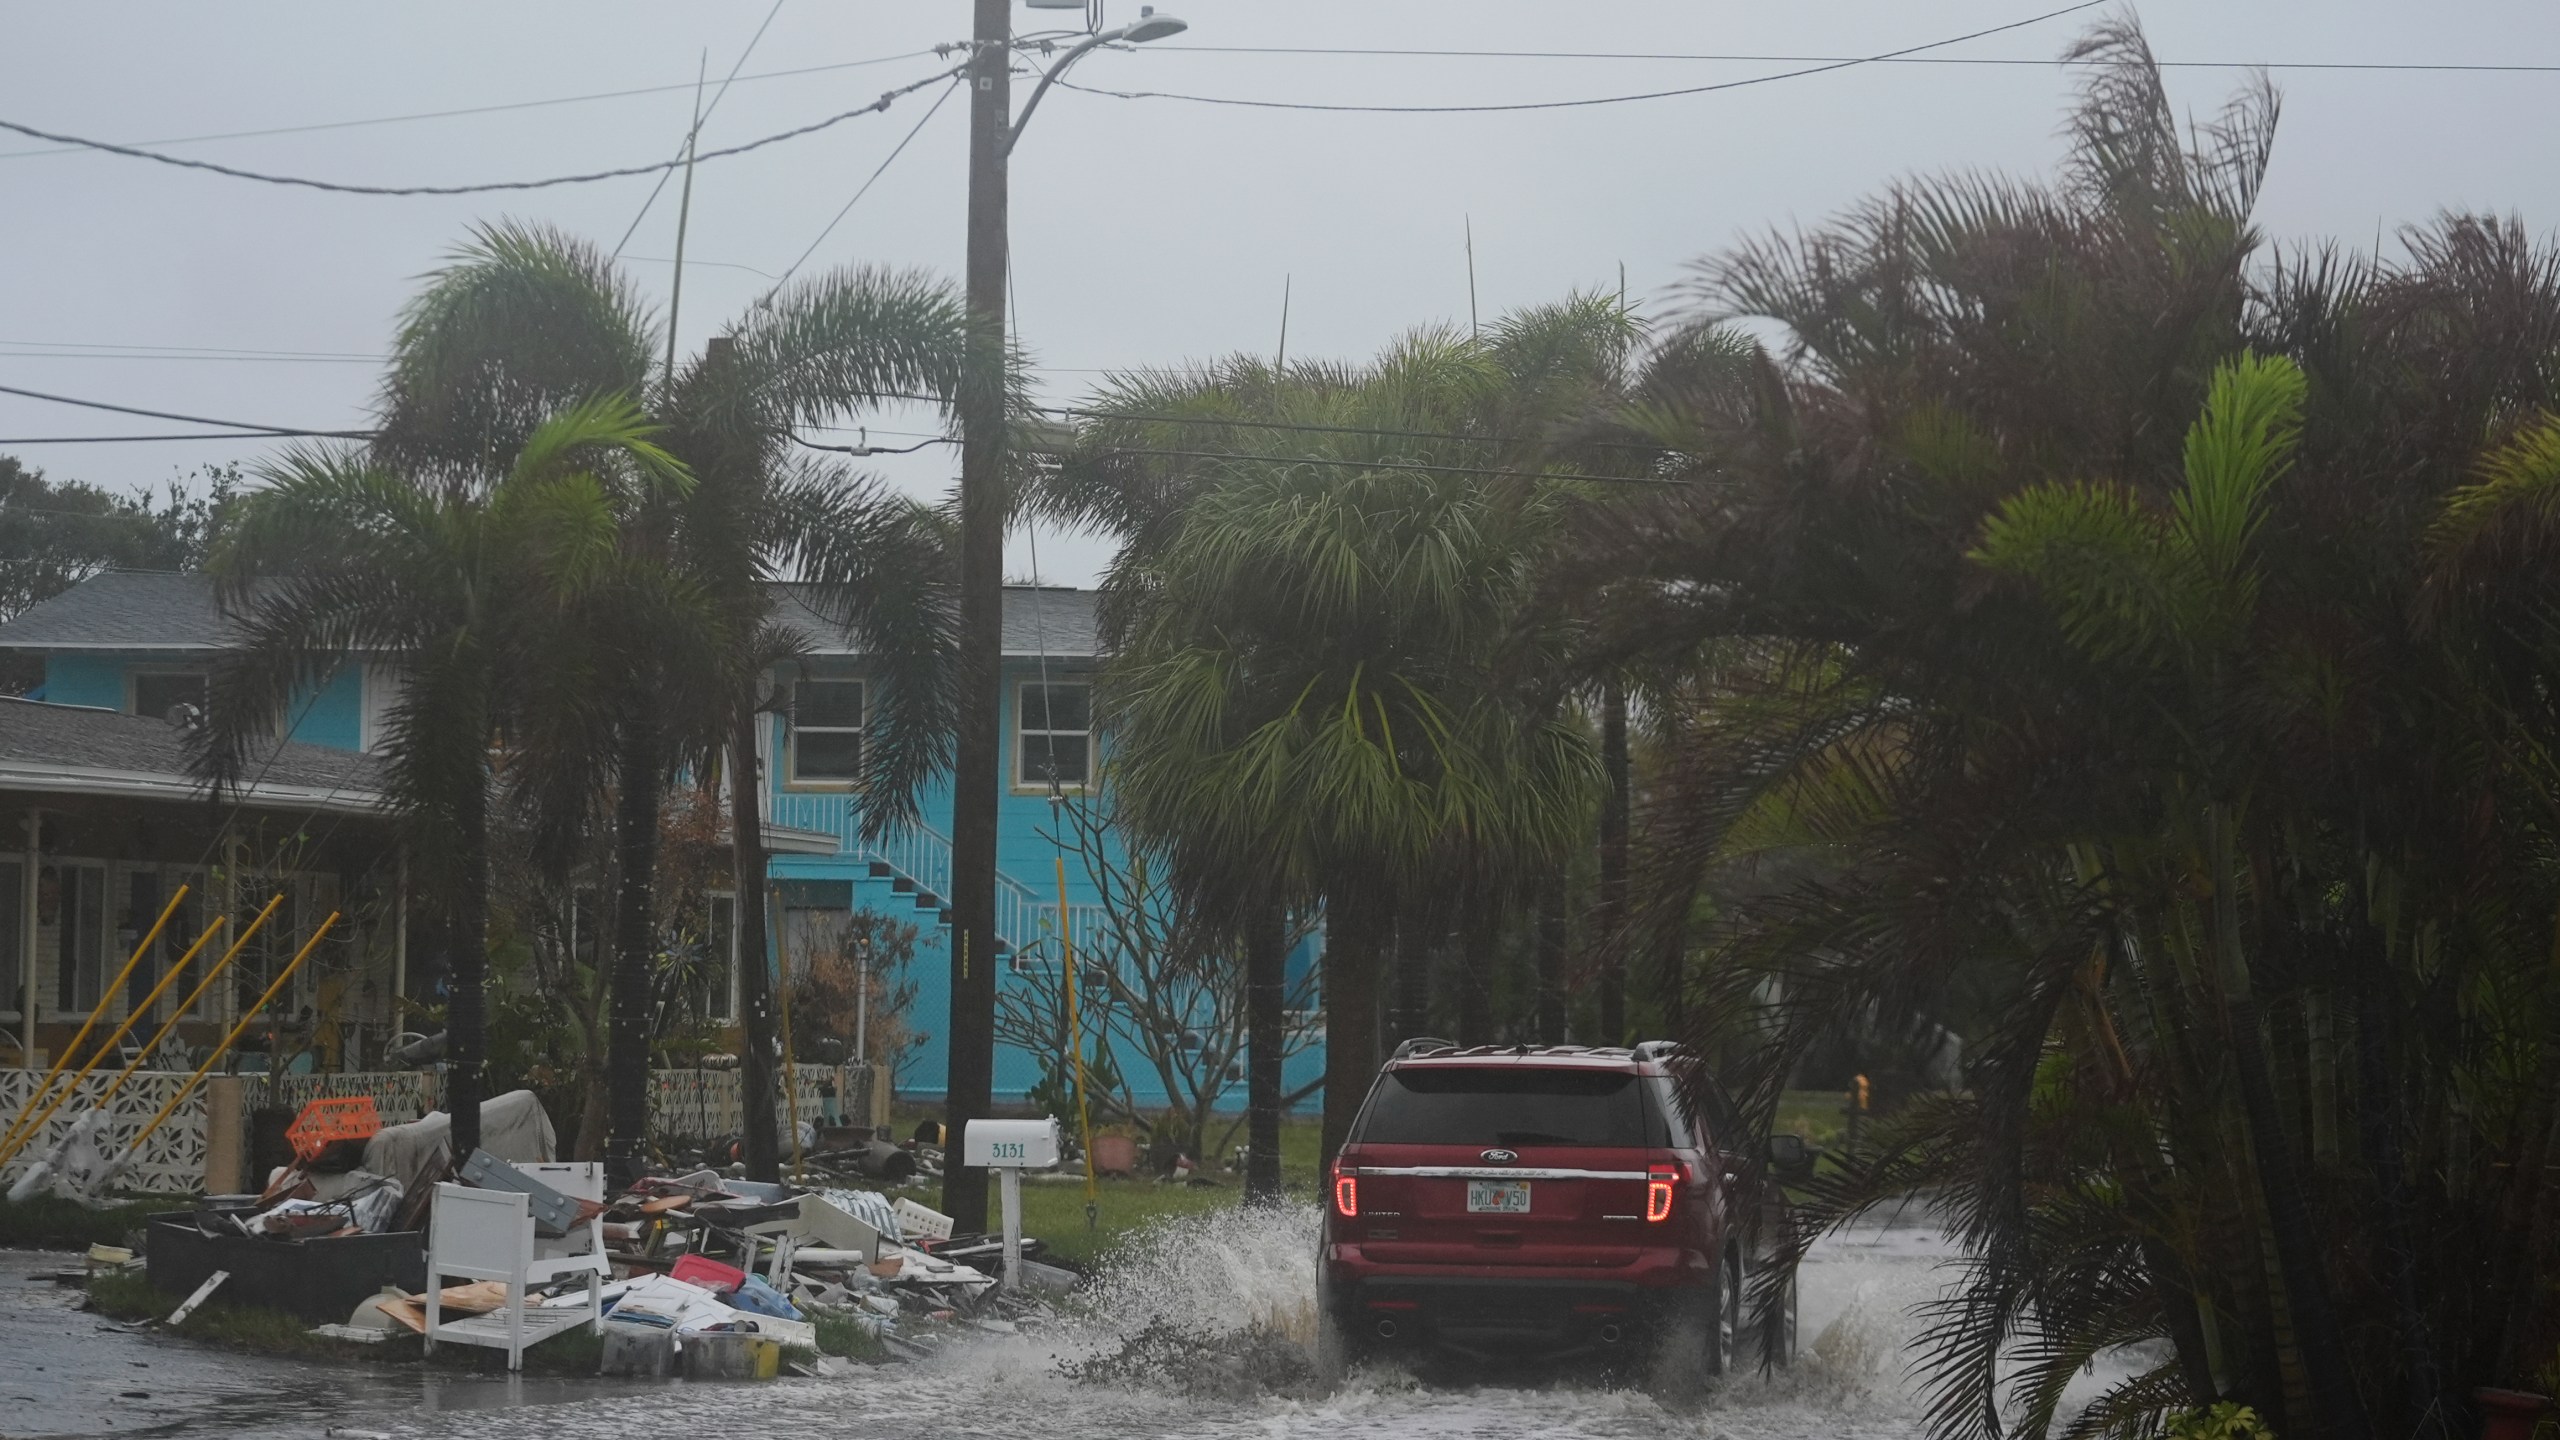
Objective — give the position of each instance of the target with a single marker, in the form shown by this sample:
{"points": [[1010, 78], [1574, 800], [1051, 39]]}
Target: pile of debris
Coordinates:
{"points": [[704, 1271]]}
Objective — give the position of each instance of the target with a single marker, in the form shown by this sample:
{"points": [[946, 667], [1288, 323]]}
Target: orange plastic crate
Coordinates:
{"points": [[324, 1123]]}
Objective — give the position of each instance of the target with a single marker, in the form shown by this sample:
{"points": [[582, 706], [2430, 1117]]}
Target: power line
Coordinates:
{"points": [[200, 435], [246, 359], [255, 429], [876, 173], [2045, 63], [305, 182], [1593, 100], [223, 349], [693, 134], [479, 109]]}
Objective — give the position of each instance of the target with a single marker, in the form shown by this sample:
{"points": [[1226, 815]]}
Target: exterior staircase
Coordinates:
{"points": [[914, 862]]}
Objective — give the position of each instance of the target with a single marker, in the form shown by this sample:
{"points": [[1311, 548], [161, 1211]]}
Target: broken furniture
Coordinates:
{"points": [[319, 1280], [484, 1234]]}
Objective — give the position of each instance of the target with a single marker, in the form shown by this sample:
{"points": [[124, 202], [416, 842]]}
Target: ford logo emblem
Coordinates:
{"points": [[1498, 1157]]}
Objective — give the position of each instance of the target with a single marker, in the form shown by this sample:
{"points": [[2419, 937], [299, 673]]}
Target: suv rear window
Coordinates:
{"points": [[1511, 1106]]}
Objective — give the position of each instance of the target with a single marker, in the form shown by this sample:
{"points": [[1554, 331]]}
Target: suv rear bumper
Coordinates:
{"points": [[1548, 1312]]}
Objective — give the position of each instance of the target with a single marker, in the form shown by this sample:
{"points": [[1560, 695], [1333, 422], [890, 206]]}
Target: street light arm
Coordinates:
{"points": [[1072, 56]]}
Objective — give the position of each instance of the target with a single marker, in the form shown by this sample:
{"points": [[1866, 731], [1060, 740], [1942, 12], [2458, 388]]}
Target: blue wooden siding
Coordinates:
{"points": [[334, 717]]}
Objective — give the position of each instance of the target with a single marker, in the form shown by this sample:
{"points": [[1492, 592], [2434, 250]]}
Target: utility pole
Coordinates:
{"points": [[969, 1086]]}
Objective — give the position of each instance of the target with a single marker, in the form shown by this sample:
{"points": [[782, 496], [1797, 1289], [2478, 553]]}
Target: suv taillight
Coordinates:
{"points": [[1660, 1184], [1346, 1193]]}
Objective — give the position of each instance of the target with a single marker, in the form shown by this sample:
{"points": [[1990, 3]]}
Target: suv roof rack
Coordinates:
{"points": [[1420, 1044], [1658, 1049]]}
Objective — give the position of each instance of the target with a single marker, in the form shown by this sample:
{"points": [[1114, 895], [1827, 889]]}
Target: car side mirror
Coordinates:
{"points": [[1789, 1153]]}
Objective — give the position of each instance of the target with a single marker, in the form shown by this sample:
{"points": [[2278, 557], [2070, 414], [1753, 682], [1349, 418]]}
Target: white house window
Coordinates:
{"points": [[1054, 744], [826, 731], [157, 692]]}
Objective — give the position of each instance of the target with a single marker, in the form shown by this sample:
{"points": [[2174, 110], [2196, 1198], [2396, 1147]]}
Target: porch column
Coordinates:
{"points": [[399, 942], [27, 940]]}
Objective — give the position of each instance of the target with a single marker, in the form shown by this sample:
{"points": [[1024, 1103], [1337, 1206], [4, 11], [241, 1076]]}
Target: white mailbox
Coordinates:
{"points": [[1010, 1144]]}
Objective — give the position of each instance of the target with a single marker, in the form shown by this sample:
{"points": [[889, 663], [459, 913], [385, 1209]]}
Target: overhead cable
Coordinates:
{"points": [[2046, 63], [242, 425], [693, 133], [480, 109], [1589, 100], [335, 187], [874, 178]]}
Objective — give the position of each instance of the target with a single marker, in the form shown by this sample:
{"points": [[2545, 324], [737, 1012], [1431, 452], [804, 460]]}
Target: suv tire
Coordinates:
{"points": [[1695, 1347]]}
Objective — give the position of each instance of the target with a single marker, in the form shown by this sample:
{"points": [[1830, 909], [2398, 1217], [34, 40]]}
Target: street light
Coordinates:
{"points": [[1148, 26], [977, 761]]}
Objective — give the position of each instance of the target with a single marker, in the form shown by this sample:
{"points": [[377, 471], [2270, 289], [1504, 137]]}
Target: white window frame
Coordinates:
{"points": [[1039, 784], [791, 727], [378, 689], [135, 675]]}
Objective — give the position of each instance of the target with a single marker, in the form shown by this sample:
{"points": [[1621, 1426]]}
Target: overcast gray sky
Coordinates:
{"points": [[1145, 232]]}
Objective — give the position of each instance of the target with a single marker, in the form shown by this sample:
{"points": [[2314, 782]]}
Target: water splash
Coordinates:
{"points": [[1202, 1327]]}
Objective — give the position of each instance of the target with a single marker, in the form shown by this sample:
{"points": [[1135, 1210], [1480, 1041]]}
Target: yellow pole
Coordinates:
{"points": [[10, 1143], [36, 1127], [782, 991], [236, 1032], [1075, 1041], [144, 1054]]}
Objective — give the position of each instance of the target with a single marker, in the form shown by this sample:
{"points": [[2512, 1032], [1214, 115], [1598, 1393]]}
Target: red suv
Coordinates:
{"points": [[1555, 1201]]}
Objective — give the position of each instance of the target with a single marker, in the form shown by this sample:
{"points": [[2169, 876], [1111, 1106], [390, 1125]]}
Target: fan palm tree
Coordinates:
{"points": [[453, 586], [524, 322]]}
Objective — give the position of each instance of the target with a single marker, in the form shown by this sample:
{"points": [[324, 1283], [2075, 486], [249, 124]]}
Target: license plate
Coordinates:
{"points": [[1497, 1197]]}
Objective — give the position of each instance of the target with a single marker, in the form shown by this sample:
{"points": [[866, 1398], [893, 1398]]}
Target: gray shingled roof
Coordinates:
{"points": [[150, 610], [1038, 620], [36, 736], [124, 610]]}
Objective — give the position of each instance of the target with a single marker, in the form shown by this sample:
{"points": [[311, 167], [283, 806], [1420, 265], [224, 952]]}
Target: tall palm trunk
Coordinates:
{"points": [[1550, 961], [1356, 943], [1471, 975], [638, 783], [756, 1066], [2339, 1410], [1266, 963], [1613, 865], [466, 1081], [1413, 977]]}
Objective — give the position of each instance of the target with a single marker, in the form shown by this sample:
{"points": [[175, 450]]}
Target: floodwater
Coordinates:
{"points": [[1245, 1278]]}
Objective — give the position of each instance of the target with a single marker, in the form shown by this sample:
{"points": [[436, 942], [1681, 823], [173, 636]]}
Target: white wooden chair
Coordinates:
{"points": [[489, 1235]]}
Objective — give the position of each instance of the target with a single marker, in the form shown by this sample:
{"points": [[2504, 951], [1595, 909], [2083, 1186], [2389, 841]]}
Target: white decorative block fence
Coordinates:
{"points": [[172, 1162], [692, 1106], [686, 1107]]}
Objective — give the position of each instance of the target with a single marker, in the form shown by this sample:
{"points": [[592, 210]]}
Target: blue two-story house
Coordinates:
{"points": [[142, 642]]}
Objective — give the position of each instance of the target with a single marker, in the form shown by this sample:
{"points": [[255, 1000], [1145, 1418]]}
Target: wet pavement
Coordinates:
{"points": [[63, 1373]]}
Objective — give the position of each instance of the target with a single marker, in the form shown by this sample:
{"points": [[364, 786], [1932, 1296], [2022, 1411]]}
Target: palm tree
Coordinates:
{"points": [[1308, 691], [2055, 651], [524, 322], [452, 585]]}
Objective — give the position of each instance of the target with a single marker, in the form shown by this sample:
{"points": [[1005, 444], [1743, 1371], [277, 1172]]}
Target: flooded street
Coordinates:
{"points": [[68, 1376]]}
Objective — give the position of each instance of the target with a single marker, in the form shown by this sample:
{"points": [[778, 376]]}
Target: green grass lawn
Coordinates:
{"points": [[1054, 1210], [1820, 1116]]}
